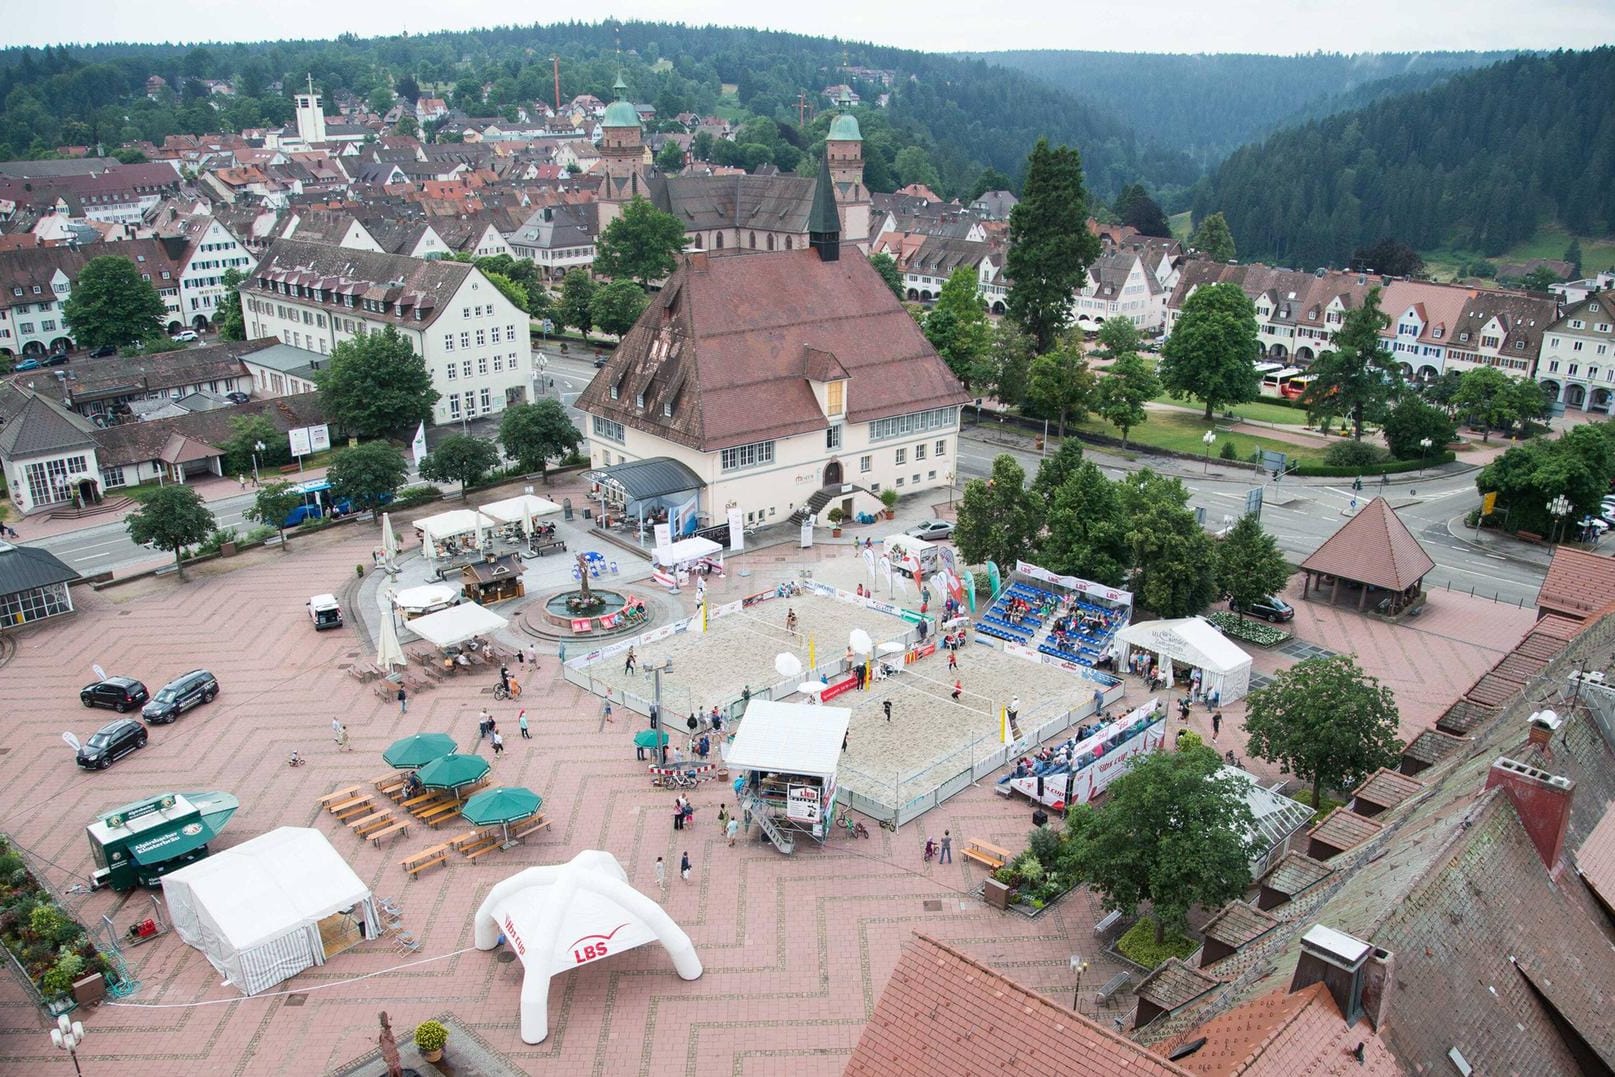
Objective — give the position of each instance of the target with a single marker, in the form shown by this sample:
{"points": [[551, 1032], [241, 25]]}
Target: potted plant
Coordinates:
{"points": [[430, 1037], [836, 516], [888, 497]]}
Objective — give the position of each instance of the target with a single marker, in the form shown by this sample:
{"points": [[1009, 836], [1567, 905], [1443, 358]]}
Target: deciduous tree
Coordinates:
{"points": [[1249, 564], [1486, 396], [958, 327], [998, 517], [642, 243], [366, 474], [1087, 529], [1174, 564], [1211, 354], [1213, 239], [1411, 421], [1061, 385], [576, 307], [1123, 391], [272, 505], [533, 433], [228, 319], [1118, 337], [376, 385], [1325, 721], [112, 305], [1175, 830], [616, 306], [171, 519], [886, 266], [1050, 247], [459, 458]]}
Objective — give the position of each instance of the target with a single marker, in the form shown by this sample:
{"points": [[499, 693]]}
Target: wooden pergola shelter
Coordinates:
{"points": [[1374, 551]]}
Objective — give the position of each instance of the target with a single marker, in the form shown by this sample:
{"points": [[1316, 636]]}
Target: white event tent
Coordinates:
{"points": [[522, 509], [255, 910], [1193, 642], [445, 525], [456, 624], [684, 551], [789, 738]]}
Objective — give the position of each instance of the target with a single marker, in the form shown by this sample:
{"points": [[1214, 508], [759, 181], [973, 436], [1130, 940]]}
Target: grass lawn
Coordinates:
{"points": [[1139, 944], [1257, 410], [1181, 431], [1181, 225], [1329, 804], [1550, 241]]}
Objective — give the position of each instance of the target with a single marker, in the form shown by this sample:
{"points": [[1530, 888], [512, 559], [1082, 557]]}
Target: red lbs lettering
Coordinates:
{"points": [[589, 953]]}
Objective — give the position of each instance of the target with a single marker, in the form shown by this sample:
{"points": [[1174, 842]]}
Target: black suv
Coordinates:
{"points": [[110, 743], [103, 351], [180, 695], [1272, 608], [119, 693]]}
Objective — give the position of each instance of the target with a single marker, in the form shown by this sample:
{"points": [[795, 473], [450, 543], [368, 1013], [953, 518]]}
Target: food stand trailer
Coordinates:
{"points": [[786, 754], [137, 844]]}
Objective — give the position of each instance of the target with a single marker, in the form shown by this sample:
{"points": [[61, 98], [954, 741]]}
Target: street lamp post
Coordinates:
{"points": [[1559, 508], [1207, 438], [1424, 455], [257, 449], [67, 1035], [543, 365], [950, 489], [1078, 966]]}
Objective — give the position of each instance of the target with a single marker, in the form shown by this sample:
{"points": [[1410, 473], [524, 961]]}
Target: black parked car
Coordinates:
{"points": [[57, 359], [111, 743], [1272, 608], [180, 695], [119, 693], [103, 351]]}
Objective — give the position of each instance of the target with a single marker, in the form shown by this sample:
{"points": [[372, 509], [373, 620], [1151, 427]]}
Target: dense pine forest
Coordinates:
{"points": [[1209, 105], [956, 117], [1481, 161]]}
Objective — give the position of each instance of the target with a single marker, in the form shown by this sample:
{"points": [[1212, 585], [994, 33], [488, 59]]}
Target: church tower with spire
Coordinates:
{"points": [[622, 155], [844, 155]]}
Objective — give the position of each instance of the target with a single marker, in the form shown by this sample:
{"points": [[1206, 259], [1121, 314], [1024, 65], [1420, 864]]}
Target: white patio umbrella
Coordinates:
{"points": [[811, 688], [389, 652], [860, 642], [389, 541], [527, 516], [787, 664]]}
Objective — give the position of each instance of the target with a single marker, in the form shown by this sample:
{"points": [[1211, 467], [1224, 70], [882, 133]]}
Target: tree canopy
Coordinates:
{"points": [[1213, 239], [1174, 563], [1174, 831], [228, 318], [615, 307], [1061, 386], [886, 266], [376, 385], [576, 306], [1124, 389], [1050, 247], [534, 433], [1355, 376], [1211, 354], [1530, 475], [641, 243], [1411, 421], [998, 519], [366, 474], [1138, 210], [1249, 564], [272, 504], [172, 518], [957, 325], [111, 305], [1325, 721], [459, 458]]}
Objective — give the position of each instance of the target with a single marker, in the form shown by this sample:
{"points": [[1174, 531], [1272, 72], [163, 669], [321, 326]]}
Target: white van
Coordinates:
{"points": [[904, 550], [325, 611]]}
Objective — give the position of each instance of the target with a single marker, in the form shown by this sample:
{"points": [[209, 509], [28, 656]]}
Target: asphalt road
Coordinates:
{"points": [[1301, 515]]}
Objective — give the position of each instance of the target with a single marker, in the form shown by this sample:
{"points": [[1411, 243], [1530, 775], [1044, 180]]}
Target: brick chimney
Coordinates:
{"points": [[1542, 801]]}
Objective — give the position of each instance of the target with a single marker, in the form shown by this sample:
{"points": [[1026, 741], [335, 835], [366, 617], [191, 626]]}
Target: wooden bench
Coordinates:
{"points": [[481, 850], [373, 824], [356, 809], [400, 826], [1112, 987], [439, 815], [357, 821], [986, 854], [419, 862], [391, 784], [290, 469], [336, 807], [341, 794], [421, 798], [534, 825], [542, 548], [1111, 920]]}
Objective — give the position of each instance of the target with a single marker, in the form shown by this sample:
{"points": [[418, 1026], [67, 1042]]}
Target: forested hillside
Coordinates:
{"points": [[1481, 161], [957, 117], [1208, 105]]}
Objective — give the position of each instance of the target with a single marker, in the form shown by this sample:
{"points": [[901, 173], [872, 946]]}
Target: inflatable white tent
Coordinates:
{"points": [[567, 915], [256, 910], [1193, 642]]}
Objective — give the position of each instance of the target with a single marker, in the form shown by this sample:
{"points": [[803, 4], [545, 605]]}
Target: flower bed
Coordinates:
{"points": [[1138, 945], [1037, 878], [52, 949], [1248, 629]]}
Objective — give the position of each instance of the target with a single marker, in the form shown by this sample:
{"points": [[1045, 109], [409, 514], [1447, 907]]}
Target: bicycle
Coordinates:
{"points": [[853, 827], [502, 692], [930, 850], [889, 824]]}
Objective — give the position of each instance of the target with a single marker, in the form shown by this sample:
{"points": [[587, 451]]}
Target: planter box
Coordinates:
{"points": [[90, 990]]}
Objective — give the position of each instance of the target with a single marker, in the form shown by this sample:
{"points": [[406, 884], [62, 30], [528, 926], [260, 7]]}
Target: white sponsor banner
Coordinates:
{"points": [[1086, 587], [298, 440], [737, 532], [417, 447], [802, 803], [1091, 780], [319, 437]]}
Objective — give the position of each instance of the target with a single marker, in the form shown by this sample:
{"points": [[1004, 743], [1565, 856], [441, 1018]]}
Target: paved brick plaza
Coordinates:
{"points": [[796, 949]]}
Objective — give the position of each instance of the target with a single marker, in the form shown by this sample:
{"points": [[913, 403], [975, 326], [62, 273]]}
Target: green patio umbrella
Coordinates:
{"points": [[504, 805], [650, 738], [452, 771], [417, 751]]}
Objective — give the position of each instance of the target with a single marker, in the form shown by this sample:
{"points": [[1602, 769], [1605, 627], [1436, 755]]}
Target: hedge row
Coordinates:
{"points": [[1391, 467]]}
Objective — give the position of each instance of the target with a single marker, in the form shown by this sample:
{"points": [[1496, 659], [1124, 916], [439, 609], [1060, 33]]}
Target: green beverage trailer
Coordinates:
{"points": [[137, 844]]}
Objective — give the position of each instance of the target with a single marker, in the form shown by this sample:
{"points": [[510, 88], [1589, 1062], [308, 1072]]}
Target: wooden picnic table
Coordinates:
{"points": [[375, 836], [373, 824], [460, 841], [420, 798], [415, 863], [357, 808], [340, 805], [339, 794], [358, 822], [439, 815], [534, 825]]}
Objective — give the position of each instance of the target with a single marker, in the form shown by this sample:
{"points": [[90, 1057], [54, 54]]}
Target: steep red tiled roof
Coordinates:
{"points": [[728, 344], [1285, 1034], [1595, 860], [943, 1014], [1578, 584], [1373, 547]]}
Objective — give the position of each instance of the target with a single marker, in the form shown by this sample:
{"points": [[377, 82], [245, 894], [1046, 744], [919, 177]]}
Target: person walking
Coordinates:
{"points": [[661, 876], [953, 661], [684, 866], [1216, 724], [336, 731], [498, 743], [958, 687], [607, 708], [403, 700], [532, 656], [628, 661], [484, 724], [946, 856], [1014, 708], [733, 830], [886, 705], [678, 813], [521, 723], [723, 818]]}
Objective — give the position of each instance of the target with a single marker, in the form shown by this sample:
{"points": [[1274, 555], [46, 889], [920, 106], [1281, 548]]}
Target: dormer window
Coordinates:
{"points": [[667, 410], [1439, 331], [614, 393], [835, 402], [639, 401], [1464, 337]]}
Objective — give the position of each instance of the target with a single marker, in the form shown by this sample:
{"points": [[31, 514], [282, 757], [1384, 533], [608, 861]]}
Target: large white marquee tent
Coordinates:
{"points": [[1193, 642]]}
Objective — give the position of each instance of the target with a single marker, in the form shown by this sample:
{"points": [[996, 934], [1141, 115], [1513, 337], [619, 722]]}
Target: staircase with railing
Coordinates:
{"points": [[760, 815]]}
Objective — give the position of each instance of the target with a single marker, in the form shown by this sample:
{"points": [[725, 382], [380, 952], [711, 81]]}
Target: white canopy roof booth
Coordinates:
{"points": [[787, 754], [522, 509], [457, 624], [265, 910], [1193, 642], [686, 552], [436, 531], [428, 598]]}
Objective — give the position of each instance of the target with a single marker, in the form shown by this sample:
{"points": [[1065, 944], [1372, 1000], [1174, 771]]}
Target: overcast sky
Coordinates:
{"points": [[1271, 26]]}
